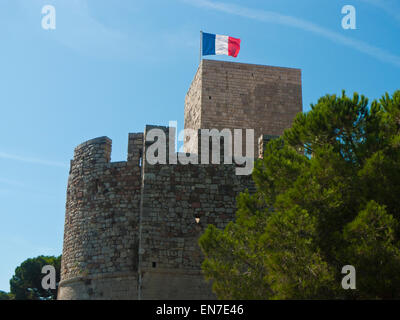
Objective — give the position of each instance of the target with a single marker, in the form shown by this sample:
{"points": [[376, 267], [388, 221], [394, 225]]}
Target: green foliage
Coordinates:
{"points": [[6, 296], [373, 249], [295, 266], [327, 196], [26, 283]]}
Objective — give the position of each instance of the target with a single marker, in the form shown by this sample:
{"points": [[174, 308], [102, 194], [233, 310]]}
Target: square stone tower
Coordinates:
{"points": [[242, 96]]}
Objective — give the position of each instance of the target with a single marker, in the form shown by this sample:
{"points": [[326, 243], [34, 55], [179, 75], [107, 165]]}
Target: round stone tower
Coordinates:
{"points": [[100, 252]]}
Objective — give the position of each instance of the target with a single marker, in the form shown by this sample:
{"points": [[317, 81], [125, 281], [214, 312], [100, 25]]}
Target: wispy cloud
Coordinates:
{"points": [[277, 18], [43, 162], [390, 7]]}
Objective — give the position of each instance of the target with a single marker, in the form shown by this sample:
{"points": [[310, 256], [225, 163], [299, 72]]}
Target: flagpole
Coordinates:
{"points": [[201, 45]]}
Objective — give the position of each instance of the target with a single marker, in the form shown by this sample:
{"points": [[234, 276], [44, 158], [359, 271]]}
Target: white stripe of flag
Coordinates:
{"points": [[221, 44]]}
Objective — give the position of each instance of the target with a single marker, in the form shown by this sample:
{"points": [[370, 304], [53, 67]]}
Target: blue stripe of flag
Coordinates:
{"points": [[208, 44]]}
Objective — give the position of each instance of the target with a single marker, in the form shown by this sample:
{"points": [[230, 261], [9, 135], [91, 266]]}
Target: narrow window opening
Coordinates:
{"points": [[140, 157]]}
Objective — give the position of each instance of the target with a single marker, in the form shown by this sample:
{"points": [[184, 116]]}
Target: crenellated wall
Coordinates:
{"points": [[132, 228]]}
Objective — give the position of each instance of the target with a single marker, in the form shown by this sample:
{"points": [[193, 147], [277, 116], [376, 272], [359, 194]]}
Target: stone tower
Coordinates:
{"points": [[131, 227], [242, 96]]}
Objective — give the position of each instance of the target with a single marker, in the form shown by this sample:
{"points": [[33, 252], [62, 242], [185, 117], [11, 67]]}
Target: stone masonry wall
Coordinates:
{"points": [[192, 116], [173, 197]]}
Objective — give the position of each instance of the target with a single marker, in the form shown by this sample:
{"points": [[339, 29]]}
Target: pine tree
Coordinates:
{"points": [[328, 195]]}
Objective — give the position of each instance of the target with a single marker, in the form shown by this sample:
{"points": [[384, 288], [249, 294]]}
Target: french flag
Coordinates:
{"points": [[218, 44]]}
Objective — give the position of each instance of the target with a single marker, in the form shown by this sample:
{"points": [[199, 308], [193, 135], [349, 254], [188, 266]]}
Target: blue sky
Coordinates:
{"points": [[111, 67]]}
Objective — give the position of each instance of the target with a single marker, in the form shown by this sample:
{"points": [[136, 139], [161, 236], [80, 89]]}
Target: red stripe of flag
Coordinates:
{"points": [[233, 46]]}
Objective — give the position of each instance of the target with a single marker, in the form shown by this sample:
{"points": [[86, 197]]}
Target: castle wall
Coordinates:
{"points": [[237, 95], [173, 196], [101, 223]]}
